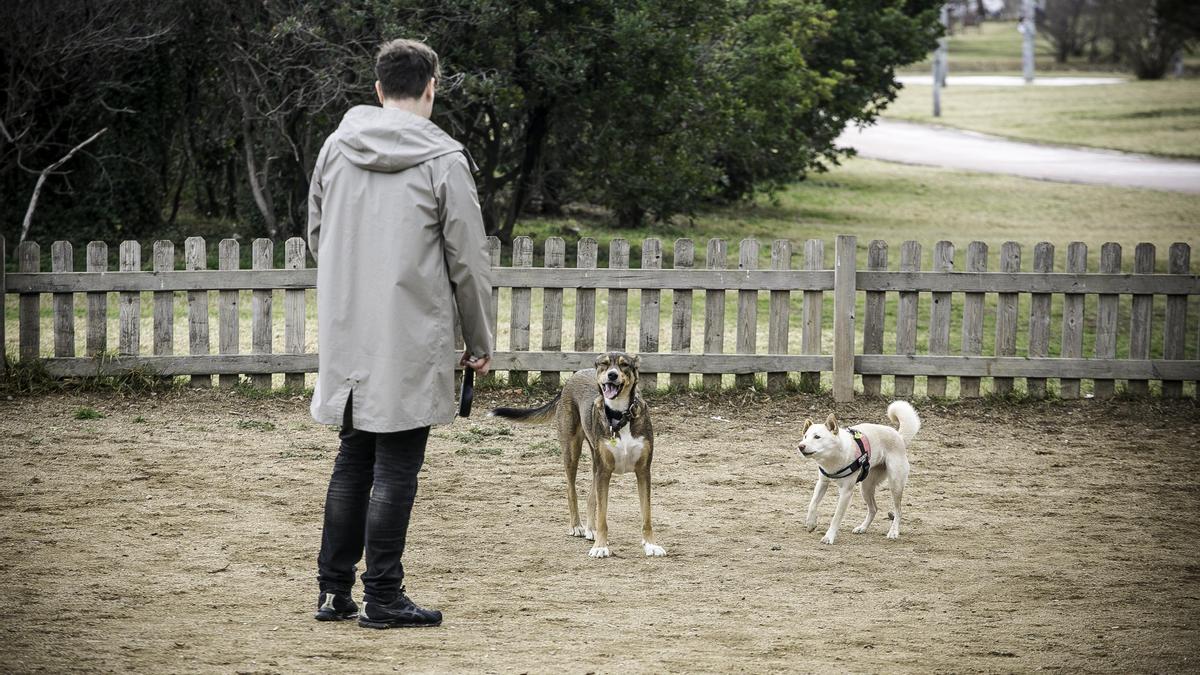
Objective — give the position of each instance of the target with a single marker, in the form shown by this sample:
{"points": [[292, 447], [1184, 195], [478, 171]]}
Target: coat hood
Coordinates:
{"points": [[390, 140]]}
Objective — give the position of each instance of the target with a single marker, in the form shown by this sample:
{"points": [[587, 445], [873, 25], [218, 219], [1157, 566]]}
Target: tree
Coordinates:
{"points": [[1150, 33]]}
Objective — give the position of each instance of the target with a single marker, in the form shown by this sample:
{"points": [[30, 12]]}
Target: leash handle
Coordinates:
{"points": [[467, 394]]}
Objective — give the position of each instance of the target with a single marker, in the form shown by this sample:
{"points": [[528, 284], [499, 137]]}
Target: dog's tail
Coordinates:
{"points": [[903, 414], [538, 415]]}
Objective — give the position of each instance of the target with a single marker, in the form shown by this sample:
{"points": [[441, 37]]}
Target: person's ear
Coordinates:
{"points": [[379, 91], [430, 89]]}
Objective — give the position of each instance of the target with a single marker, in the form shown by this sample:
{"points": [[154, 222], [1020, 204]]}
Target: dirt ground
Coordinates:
{"points": [[178, 532]]}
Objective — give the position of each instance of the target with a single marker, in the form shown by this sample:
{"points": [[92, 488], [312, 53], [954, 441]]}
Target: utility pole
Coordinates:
{"points": [[939, 63], [1028, 32]]}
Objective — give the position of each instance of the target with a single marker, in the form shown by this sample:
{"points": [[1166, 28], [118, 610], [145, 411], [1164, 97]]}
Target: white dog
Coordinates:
{"points": [[866, 453]]}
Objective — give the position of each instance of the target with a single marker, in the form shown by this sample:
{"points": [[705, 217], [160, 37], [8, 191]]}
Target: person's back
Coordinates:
{"points": [[395, 224]]}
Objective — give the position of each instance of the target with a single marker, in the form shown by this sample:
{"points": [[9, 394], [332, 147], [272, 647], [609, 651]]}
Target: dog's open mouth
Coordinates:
{"points": [[806, 453], [610, 390]]}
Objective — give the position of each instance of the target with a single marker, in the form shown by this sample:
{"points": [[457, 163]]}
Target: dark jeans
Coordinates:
{"points": [[369, 501]]}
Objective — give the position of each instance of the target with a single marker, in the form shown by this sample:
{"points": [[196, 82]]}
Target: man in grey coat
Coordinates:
{"points": [[394, 219]]}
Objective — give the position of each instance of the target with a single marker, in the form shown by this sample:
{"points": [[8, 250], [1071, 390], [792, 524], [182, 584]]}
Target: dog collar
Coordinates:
{"points": [[618, 420], [861, 463]]}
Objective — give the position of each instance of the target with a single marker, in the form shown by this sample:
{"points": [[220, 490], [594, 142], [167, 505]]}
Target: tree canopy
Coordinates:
{"points": [[649, 108]]}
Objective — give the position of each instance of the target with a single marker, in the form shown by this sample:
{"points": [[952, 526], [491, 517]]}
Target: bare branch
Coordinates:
{"points": [[37, 189]]}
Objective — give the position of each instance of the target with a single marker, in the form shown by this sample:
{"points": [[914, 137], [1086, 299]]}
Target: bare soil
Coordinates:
{"points": [[179, 533]]}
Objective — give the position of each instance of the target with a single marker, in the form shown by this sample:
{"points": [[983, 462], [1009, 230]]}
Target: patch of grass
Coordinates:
{"points": [[995, 46], [545, 448], [478, 452], [139, 420], [478, 433], [256, 425], [88, 414], [1159, 118]]}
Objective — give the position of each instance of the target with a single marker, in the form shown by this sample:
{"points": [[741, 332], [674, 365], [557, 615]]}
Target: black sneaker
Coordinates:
{"points": [[333, 606], [399, 613]]}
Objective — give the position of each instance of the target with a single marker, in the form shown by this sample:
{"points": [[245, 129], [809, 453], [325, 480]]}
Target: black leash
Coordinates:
{"points": [[468, 392], [618, 420]]}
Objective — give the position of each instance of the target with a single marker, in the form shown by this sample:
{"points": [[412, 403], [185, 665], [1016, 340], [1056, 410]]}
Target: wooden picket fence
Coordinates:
{"points": [[855, 352]]}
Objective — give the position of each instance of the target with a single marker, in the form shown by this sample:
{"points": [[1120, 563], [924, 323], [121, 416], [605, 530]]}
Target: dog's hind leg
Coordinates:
{"points": [[810, 522], [897, 479], [648, 543], [572, 445], [868, 491]]}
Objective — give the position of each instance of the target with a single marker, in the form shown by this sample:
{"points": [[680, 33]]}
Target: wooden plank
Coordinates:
{"points": [[1006, 315], [129, 339], [295, 307], [714, 312], [939, 316], [843, 317], [1106, 318], [906, 317], [1179, 260], [747, 311], [261, 254], [195, 257], [650, 324], [552, 307], [229, 256], [684, 254], [874, 315], [585, 299], [494, 310], [618, 300], [780, 314], [1016, 366], [1141, 316], [1073, 306], [1039, 317], [3, 310], [62, 259], [29, 311], [519, 312], [164, 301], [732, 280], [972, 328], [812, 313], [97, 312]]}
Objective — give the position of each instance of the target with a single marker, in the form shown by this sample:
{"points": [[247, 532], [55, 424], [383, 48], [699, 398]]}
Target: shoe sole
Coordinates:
{"points": [[325, 616], [366, 623]]}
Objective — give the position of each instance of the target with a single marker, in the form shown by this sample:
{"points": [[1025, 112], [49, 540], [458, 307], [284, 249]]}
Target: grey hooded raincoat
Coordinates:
{"points": [[394, 218]]}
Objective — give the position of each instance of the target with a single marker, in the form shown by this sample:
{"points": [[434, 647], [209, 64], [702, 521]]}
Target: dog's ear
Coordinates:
{"points": [[636, 361], [831, 423], [807, 424]]}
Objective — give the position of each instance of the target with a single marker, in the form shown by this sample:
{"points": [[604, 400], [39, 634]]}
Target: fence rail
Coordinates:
{"points": [[902, 309]]}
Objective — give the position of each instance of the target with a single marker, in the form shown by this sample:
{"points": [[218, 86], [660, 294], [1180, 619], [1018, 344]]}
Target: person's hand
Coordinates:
{"points": [[480, 365]]}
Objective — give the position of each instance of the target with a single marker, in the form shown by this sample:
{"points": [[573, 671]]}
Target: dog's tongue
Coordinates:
{"points": [[610, 390]]}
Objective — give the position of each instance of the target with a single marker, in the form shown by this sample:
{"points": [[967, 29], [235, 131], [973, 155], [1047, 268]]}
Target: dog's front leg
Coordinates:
{"points": [[845, 492], [810, 522], [648, 543], [601, 476]]}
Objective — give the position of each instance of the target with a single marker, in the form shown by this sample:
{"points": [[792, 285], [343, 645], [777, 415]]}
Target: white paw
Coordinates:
{"points": [[860, 529], [654, 550], [893, 534], [811, 525], [829, 538], [599, 552], [577, 531], [589, 534]]}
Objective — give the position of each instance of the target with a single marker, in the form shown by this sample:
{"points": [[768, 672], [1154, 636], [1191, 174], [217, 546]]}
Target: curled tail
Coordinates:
{"points": [[903, 414], [538, 415]]}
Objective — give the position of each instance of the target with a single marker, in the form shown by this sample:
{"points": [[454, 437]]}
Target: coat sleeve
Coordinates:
{"points": [[316, 194], [465, 248]]}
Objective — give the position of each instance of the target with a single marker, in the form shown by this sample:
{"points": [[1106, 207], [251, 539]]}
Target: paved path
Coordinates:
{"points": [[1010, 80], [911, 143]]}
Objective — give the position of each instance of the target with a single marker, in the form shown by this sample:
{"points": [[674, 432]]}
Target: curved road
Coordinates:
{"points": [[911, 143]]}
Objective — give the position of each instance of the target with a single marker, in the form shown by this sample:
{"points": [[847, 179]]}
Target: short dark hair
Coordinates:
{"points": [[404, 68]]}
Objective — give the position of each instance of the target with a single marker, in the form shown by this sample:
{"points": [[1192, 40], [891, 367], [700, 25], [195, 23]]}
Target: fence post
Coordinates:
{"points": [[29, 256], [97, 321], [874, 314], [780, 309], [295, 306], [714, 312], [164, 302], [1072, 332], [229, 252], [618, 299], [972, 327], [906, 317], [262, 254], [519, 312], [195, 257], [1106, 318], [1006, 315], [681, 311], [3, 303], [1140, 316], [649, 299], [843, 317], [1039, 317], [585, 299], [939, 316], [494, 309], [129, 341], [747, 310], [552, 307], [1175, 321], [62, 259], [813, 314]]}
